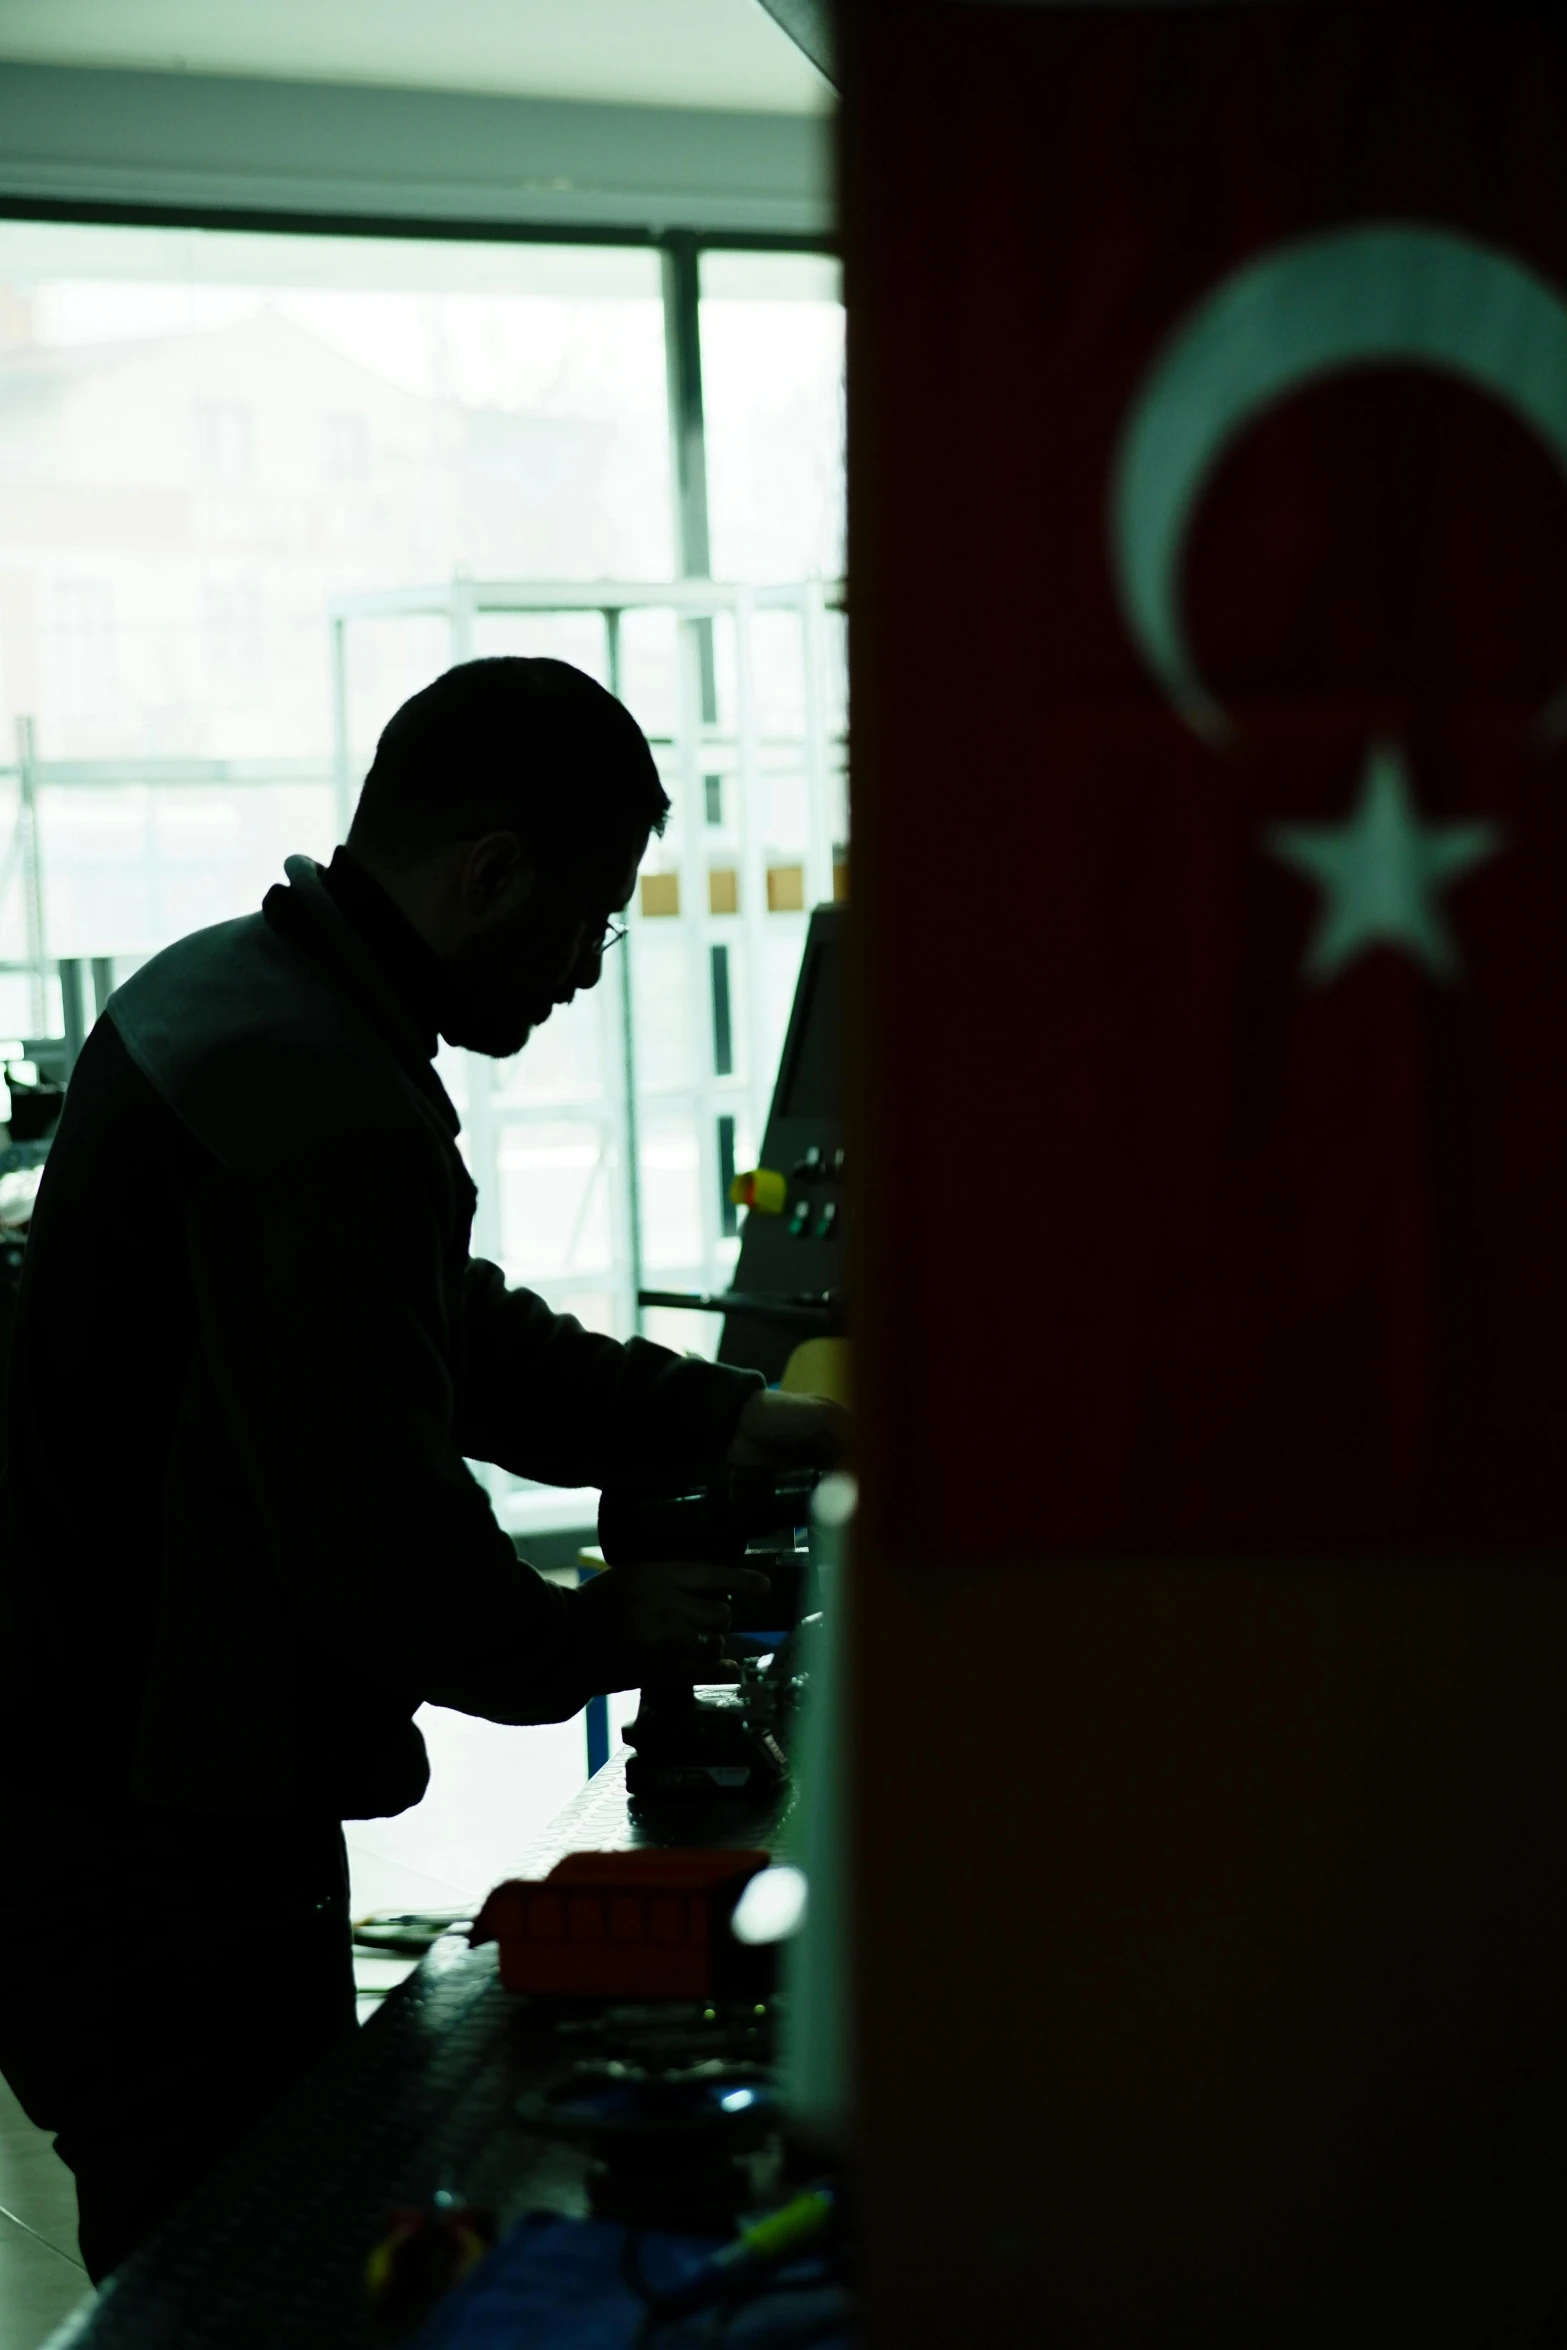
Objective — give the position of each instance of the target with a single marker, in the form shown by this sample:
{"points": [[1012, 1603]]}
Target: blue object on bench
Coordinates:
{"points": [[556, 2284]]}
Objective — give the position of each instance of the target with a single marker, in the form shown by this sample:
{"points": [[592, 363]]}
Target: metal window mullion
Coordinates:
{"points": [[620, 1020], [695, 921], [687, 418], [682, 288], [481, 1124], [819, 850], [681, 267], [753, 877], [73, 1009], [693, 597], [32, 870], [342, 799]]}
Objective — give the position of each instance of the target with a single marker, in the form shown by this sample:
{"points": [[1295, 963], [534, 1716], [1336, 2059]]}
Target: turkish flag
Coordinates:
{"points": [[1211, 776]]}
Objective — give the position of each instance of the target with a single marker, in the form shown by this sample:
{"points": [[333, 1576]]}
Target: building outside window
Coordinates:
{"points": [[345, 445], [225, 440], [235, 618]]}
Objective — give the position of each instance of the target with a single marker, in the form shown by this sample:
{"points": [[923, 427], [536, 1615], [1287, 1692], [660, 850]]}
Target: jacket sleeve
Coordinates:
{"points": [[323, 1323], [545, 1398]]}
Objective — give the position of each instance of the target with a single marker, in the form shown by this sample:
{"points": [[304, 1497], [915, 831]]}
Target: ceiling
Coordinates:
{"points": [[726, 54]]}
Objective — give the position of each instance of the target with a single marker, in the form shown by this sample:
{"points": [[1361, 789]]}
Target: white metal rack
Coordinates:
{"points": [[22, 860]]}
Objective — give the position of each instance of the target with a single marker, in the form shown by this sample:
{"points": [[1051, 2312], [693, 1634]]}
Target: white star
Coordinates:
{"points": [[1381, 872]]}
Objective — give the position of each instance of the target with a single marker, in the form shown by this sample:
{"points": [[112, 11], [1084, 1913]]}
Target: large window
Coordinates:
{"points": [[254, 490]]}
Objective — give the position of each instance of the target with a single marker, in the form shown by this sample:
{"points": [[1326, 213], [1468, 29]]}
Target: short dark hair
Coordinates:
{"points": [[530, 746]]}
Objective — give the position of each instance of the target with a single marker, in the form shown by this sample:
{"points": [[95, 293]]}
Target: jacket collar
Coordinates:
{"points": [[335, 938]]}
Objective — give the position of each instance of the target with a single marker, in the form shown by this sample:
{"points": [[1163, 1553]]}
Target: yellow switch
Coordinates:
{"points": [[819, 1366], [764, 1191]]}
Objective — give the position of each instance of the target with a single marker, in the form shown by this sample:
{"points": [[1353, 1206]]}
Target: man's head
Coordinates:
{"points": [[506, 812]]}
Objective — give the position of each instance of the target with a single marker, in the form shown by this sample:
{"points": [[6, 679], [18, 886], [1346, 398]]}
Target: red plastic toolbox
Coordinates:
{"points": [[620, 1925]]}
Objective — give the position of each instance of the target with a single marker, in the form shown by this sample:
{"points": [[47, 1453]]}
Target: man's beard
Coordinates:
{"points": [[486, 1003]]}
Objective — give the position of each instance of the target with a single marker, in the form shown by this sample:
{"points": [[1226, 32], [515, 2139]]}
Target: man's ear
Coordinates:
{"points": [[497, 877]]}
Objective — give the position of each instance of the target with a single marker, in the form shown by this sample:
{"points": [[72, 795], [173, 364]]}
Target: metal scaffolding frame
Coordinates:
{"points": [[85, 983]]}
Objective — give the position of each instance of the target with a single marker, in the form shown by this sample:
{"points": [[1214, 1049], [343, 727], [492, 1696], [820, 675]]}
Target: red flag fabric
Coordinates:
{"points": [[1220, 890]]}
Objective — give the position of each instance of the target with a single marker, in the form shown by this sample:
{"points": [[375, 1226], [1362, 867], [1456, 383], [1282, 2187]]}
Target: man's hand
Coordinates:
{"points": [[774, 1429], [667, 1618]]}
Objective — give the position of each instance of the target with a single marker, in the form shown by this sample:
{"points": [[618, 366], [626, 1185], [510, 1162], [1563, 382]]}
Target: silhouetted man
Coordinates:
{"points": [[251, 1355]]}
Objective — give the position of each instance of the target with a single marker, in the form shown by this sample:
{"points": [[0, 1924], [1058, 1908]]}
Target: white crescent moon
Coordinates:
{"points": [[1363, 297]]}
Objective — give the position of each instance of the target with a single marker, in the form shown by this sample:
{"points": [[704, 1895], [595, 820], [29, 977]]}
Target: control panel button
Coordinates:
{"points": [[764, 1191]]}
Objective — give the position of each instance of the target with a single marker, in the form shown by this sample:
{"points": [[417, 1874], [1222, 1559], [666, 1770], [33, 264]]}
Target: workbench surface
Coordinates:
{"points": [[272, 2251]]}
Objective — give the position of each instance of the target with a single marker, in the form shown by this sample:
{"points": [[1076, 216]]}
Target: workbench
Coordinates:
{"points": [[271, 2253]]}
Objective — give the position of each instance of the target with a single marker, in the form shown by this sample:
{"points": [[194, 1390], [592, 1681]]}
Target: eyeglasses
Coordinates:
{"points": [[613, 933]]}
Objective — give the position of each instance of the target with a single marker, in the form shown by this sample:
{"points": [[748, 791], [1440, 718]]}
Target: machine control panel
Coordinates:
{"points": [[797, 1201]]}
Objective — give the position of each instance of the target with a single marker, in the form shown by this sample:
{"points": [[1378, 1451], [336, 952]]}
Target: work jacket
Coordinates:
{"points": [[252, 1353]]}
